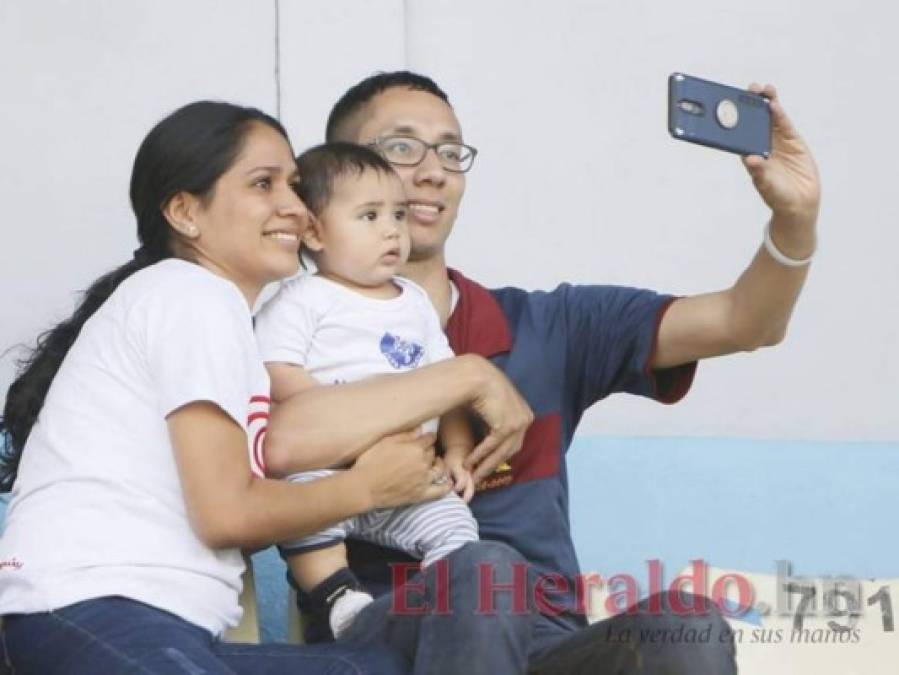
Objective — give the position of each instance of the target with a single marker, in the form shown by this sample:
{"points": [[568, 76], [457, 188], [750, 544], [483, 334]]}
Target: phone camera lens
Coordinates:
{"points": [[727, 113]]}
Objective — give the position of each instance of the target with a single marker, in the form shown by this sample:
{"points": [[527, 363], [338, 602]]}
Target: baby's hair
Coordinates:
{"points": [[321, 166]]}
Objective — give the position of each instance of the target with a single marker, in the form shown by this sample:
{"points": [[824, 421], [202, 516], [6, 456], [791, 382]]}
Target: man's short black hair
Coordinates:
{"points": [[322, 165], [359, 95]]}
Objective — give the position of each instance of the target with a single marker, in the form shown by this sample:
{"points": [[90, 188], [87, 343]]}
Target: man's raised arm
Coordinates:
{"points": [[755, 311]]}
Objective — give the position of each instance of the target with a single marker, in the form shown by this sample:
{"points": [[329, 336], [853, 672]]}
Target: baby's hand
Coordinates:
{"points": [[463, 484]]}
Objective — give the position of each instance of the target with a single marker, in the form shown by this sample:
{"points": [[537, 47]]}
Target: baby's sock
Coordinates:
{"points": [[343, 596]]}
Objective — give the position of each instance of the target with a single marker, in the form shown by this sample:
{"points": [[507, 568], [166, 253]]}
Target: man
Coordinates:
{"points": [[567, 349]]}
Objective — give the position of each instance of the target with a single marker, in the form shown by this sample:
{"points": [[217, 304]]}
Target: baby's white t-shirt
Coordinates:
{"points": [[338, 335]]}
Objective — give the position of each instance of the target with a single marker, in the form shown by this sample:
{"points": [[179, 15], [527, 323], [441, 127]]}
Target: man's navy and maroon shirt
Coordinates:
{"points": [[564, 350]]}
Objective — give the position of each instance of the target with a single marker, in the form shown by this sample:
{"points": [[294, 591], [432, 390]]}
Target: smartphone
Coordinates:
{"points": [[718, 116]]}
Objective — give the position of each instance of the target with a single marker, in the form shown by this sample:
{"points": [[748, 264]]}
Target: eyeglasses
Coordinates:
{"points": [[411, 151]]}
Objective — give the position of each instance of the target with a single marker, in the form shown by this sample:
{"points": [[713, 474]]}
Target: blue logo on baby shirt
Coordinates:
{"points": [[399, 352]]}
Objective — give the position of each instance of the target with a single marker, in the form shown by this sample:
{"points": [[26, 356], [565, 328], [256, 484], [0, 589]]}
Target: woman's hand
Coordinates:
{"points": [[506, 414], [400, 469]]}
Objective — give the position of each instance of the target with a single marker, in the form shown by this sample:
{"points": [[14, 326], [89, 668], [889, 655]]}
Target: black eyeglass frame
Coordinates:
{"points": [[377, 143]]}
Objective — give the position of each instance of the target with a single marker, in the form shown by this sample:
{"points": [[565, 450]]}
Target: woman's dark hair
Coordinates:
{"points": [[186, 152]]}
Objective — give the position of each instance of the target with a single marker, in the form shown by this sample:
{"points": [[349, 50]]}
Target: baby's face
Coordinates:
{"points": [[363, 233]]}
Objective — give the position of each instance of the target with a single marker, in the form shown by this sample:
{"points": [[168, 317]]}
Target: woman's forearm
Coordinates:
{"points": [[331, 425], [268, 510], [230, 508]]}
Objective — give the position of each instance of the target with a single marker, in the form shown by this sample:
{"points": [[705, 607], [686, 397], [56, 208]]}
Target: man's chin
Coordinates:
{"points": [[420, 254], [427, 247]]}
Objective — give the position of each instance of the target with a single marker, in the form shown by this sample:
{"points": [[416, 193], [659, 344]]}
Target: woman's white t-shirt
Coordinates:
{"points": [[97, 508]]}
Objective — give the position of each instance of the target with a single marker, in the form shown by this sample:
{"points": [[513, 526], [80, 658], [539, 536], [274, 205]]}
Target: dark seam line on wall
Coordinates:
{"points": [[406, 34], [278, 59]]}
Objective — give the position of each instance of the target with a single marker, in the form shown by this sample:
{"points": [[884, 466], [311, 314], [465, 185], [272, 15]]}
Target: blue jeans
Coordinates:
{"points": [[646, 642], [116, 635], [513, 640], [464, 639]]}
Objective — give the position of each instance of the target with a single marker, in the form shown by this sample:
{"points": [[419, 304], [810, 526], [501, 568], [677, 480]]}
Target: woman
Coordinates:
{"points": [[134, 425]]}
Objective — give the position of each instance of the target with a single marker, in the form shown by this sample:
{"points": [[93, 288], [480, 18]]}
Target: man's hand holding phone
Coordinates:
{"points": [[753, 124], [788, 181]]}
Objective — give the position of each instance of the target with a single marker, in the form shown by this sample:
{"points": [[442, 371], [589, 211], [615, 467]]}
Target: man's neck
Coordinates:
{"points": [[432, 276]]}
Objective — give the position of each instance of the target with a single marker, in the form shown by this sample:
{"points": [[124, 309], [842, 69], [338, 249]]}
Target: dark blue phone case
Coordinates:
{"points": [[693, 116]]}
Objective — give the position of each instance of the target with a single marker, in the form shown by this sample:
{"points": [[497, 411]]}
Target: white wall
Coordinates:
{"points": [[80, 85], [577, 178]]}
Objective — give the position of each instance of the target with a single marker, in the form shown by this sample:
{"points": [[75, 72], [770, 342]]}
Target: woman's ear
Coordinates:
{"points": [[181, 211], [313, 235]]}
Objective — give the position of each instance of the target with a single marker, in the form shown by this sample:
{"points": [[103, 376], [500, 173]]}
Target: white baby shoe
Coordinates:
{"points": [[345, 608]]}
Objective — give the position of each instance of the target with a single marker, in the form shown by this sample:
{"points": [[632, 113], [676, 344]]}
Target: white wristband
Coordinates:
{"points": [[776, 253]]}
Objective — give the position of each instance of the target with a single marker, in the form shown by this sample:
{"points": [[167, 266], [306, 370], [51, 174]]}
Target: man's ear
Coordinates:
{"points": [[313, 235], [182, 211]]}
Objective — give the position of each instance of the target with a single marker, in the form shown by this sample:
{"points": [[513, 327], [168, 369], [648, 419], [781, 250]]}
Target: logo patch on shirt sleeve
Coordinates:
{"points": [[257, 424], [401, 353]]}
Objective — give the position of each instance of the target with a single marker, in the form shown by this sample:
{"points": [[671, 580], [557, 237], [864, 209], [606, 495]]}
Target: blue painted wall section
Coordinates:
{"points": [[829, 508]]}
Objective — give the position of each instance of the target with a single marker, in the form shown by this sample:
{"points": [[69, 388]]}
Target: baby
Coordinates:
{"points": [[352, 319]]}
